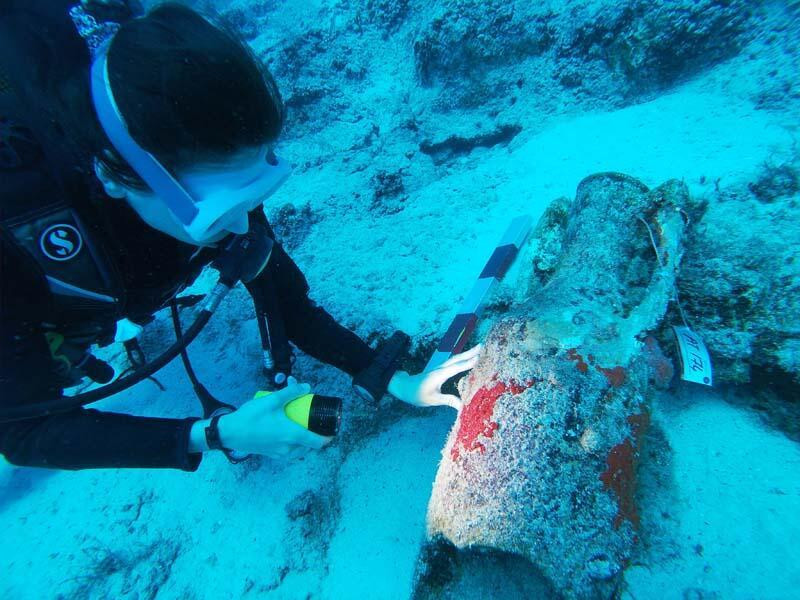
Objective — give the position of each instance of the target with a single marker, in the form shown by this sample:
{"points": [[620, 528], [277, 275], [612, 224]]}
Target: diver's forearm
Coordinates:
{"points": [[90, 439], [312, 329], [197, 437], [309, 326]]}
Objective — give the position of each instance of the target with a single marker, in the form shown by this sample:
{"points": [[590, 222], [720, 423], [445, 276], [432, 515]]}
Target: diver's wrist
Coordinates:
{"points": [[397, 384], [197, 437], [198, 441], [227, 431]]}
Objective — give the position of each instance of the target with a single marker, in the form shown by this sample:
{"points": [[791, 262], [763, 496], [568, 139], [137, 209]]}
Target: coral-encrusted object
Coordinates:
{"points": [[541, 462], [572, 354], [616, 376], [476, 418], [660, 366]]}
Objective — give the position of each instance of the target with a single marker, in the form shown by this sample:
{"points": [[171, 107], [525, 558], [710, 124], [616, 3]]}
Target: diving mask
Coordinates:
{"points": [[203, 206]]}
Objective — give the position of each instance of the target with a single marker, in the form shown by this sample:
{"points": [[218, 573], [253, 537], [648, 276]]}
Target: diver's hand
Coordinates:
{"points": [[260, 426], [425, 389]]}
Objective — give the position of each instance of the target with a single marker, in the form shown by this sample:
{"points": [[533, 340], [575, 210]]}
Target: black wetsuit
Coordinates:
{"points": [[150, 266]]}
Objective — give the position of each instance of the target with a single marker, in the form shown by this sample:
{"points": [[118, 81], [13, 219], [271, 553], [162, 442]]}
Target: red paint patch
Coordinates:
{"points": [[572, 354], [616, 376], [620, 474], [517, 388], [476, 417], [661, 369], [638, 424]]}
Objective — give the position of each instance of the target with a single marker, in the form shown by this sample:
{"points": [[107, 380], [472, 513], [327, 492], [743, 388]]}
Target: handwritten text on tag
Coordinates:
{"points": [[695, 361]]}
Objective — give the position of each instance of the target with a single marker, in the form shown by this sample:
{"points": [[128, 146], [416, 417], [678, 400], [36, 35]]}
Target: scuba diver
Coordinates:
{"points": [[137, 149]]}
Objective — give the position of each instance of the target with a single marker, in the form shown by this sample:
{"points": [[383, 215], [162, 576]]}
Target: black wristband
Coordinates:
{"points": [[214, 442], [212, 434], [371, 383]]}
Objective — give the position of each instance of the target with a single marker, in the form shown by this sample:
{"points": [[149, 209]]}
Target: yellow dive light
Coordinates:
{"points": [[318, 414]]}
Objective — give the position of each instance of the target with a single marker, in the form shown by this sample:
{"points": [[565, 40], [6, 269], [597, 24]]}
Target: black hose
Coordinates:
{"points": [[231, 265], [210, 404], [67, 403]]}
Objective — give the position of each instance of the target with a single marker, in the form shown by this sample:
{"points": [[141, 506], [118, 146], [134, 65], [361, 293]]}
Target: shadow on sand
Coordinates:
{"points": [[17, 482]]}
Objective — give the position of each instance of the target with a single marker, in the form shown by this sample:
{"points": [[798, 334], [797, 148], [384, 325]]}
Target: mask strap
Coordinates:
{"points": [[161, 182]]}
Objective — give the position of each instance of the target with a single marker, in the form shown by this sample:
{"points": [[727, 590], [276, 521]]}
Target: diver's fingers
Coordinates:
{"points": [[444, 373], [277, 453], [448, 400], [464, 356], [279, 399], [309, 439], [291, 393], [474, 351]]}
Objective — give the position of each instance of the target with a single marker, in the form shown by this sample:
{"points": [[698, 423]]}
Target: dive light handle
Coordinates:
{"points": [[97, 370]]}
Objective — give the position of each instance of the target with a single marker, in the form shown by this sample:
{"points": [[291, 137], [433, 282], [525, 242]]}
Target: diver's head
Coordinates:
{"points": [[193, 98]]}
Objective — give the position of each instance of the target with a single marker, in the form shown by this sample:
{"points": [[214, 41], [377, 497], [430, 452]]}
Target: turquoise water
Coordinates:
{"points": [[417, 130]]}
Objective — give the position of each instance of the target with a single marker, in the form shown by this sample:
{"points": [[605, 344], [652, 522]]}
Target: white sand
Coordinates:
{"points": [[738, 511]]}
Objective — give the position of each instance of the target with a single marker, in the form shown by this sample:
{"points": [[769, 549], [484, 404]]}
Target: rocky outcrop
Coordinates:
{"points": [[467, 39], [741, 279], [621, 50], [490, 58], [648, 46], [456, 145]]}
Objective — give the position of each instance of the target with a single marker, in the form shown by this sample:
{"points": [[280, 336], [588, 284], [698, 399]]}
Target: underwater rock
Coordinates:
{"points": [[464, 39], [304, 96], [650, 45], [740, 283], [246, 20], [388, 192], [293, 224], [516, 59], [776, 403], [453, 574], [388, 14], [313, 516], [299, 51], [542, 460], [610, 50], [456, 145], [776, 181], [140, 570]]}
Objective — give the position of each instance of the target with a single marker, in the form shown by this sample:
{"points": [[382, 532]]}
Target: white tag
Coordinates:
{"points": [[695, 362]]}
